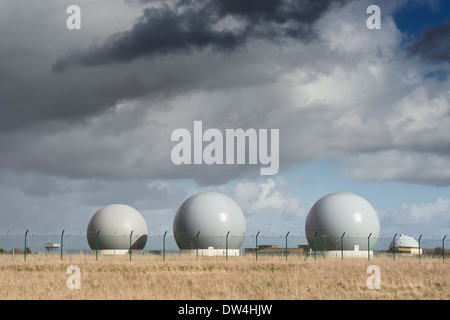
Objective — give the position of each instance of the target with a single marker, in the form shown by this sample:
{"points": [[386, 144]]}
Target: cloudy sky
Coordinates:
{"points": [[86, 116]]}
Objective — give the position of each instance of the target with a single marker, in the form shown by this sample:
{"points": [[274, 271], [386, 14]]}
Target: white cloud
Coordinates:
{"points": [[413, 167], [162, 185], [425, 212], [269, 195], [428, 218]]}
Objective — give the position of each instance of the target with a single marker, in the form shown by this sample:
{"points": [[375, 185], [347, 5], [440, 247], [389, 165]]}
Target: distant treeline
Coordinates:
{"points": [[14, 251]]}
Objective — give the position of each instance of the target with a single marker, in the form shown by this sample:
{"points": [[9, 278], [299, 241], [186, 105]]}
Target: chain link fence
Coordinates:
{"points": [[257, 245]]}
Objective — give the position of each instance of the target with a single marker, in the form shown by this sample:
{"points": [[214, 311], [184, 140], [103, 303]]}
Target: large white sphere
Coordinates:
{"points": [[340, 212], [213, 214], [115, 223]]}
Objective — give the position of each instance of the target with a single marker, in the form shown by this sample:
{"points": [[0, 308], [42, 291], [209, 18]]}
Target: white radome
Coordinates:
{"points": [[404, 241], [340, 212], [213, 214], [115, 223]]}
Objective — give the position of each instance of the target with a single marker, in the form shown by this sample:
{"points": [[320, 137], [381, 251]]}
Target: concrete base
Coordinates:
{"points": [[346, 254], [212, 252], [120, 252]]}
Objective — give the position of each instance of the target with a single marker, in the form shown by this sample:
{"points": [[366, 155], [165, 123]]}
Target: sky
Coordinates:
{"points": [[86, 115]]}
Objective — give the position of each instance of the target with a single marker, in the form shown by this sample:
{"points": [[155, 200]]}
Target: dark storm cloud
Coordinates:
{"points": [[159, 31], [303, 12], [39, 97], [192, 25], [434, 44], [272, 19], [32, 94]]}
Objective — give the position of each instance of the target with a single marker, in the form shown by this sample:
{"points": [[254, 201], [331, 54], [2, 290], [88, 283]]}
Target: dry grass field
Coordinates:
{"points": [[180, 278]]}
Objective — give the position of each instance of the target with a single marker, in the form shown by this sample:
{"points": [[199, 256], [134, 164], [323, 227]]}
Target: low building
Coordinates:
{"points": [[49, 246]]}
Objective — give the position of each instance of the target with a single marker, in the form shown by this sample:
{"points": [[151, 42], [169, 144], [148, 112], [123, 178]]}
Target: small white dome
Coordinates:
{"points": [[404, 241]]}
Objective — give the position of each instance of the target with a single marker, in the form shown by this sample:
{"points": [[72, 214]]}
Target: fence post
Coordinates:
{"points": [[287, 245], [62, 234], [419, 246], [393, 245], [342, 246], [256, 248], [196, 240], [443, 248], [164, 246], [131, 234], [96, 246], [25, 251], [227, 244], [315, 245], [368, 246]]}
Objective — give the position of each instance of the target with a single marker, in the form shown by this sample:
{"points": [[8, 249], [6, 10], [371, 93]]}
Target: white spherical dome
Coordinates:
{"points": [[214, 215], [115, 223], [404, 241], [340, 212]]}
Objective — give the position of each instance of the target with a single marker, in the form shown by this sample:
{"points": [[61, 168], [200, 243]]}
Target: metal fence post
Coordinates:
{"points": [[25, 251], [96, 246], [164, 246], [393, 245], [368, 246], [342, 246], [196, 240], [62, 234], [131, 234], [256, 247], [227, 244], [443, 248], [315, 245], [287, 245], [419, 246]]}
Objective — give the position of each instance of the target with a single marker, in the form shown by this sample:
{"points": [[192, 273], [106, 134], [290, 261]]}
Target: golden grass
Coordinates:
{"points": [[181, 277]]}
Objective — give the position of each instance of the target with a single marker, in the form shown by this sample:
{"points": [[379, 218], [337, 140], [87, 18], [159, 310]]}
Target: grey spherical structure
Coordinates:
{"points": [[114, 224], [214, 215], [338, 213]]}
